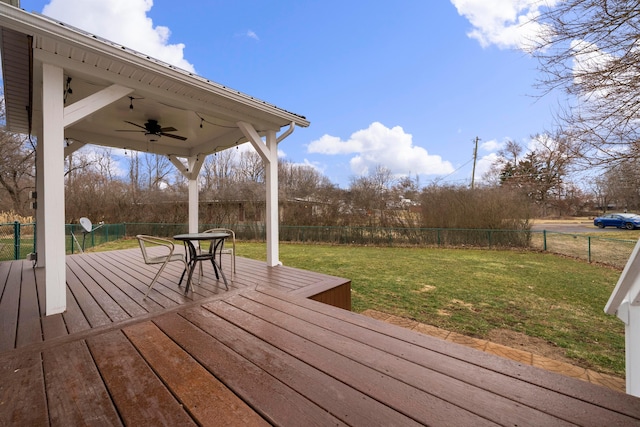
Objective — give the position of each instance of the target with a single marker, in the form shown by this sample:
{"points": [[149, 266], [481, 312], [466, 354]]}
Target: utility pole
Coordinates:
{"points": [[475, 158]]}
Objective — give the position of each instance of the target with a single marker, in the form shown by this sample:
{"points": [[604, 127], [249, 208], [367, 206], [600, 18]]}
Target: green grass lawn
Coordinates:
{"points": [[473, 292]]}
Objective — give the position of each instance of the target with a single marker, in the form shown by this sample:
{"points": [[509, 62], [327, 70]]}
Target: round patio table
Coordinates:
{"points": [[194, 256]]}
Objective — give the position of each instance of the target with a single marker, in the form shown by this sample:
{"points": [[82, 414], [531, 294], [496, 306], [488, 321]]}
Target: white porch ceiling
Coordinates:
{"points": [[204, 112]]}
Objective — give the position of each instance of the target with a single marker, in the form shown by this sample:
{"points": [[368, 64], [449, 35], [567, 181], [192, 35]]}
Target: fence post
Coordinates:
{"points": [[16, 240], [71, 228], [544, 240], [489, 237], [589, 244]]}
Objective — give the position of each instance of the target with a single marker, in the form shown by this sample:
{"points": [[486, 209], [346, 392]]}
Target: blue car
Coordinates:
{"points": [[620, 220]]}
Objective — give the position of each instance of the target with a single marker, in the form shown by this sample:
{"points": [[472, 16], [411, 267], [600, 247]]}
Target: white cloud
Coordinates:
{"points": [[313, 165], [491, 145], [484, 165], [379, 145], [504, 23], [252, 35], [124, 22], [588, 58]]}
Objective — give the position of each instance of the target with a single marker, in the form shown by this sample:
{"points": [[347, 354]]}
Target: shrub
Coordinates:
{"points": [[483, 208], [11, 216]]}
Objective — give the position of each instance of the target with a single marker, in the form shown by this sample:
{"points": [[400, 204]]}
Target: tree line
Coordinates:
{"points": [[232, 190]]}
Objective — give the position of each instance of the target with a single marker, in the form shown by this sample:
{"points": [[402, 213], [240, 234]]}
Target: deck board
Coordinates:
{"points": [[22, 391], [277, 403], [5, 268], [74, 318], [29, 326], [392, 390], [209, 401], [52, 326], [257, 354], [306, 379], [440, 366], [430, 348], [109, 305], [9, 305], [91, 307], [166, 292], [92, 272], [76, 393], [140, 396]]}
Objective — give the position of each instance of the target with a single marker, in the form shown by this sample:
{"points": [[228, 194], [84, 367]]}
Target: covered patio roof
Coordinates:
{"points": [[202, 111], [70, 88]]}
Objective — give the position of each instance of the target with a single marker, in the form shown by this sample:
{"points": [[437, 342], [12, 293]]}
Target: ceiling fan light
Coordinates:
{"points": [[152, 137]]}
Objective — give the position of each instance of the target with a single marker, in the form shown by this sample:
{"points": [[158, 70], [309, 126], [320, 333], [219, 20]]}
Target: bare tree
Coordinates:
{"points": [[134, 174], [16, 171], [306, 195], [17, 168], [218, 170], [371, 195], [590, 50], [300, 181], [622, 184], [250, 167], [540, 174], [158, 168]]}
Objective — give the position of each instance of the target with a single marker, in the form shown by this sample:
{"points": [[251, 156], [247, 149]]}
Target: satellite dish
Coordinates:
{"points": [[86, 224]]}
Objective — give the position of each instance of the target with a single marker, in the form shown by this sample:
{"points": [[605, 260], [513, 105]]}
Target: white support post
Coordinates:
{"points": [[194, 165], [269, 153], [191, 171], [193, 205], [41, 260], [272, 217], [632, 352], [51, 198], [630, 315], [624, 302]]}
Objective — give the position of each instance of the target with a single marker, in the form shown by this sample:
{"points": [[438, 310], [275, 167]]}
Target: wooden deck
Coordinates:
{"points": [[258, 354]]}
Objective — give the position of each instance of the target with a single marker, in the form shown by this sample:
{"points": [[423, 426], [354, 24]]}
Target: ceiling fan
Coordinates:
{"points": [[153, 131]]}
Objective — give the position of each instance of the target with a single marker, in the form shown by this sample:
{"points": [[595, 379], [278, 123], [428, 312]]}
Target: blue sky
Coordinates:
{"points": [[406, 84]]}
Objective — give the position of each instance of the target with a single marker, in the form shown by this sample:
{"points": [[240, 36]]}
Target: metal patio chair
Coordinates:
{"points": [[163, 259], [232, 250]]}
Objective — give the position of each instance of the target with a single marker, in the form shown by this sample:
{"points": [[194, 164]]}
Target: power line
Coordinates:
{"points": [[447, 176]]}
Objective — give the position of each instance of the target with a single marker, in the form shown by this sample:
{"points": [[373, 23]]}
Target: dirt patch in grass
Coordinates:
{"points": [[426, 288], [524, 342]]}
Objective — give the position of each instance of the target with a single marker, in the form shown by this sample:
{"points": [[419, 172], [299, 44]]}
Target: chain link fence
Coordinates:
{"points": [[78, 239], [18, 240], [602, 250]]}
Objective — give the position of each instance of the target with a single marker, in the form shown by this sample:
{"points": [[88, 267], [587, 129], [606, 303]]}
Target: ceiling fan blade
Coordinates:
{"points": [[181, 138], [128, 130], [169, 129], [135, 124]]}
